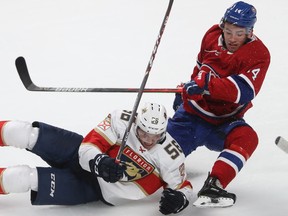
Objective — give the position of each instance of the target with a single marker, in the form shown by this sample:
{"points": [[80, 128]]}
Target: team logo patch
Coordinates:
{"points": [[137, 167], [106, 123]]}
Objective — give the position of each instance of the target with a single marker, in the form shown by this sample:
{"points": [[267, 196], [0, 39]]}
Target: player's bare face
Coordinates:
{"points": [[234, 36], [146, 139]]}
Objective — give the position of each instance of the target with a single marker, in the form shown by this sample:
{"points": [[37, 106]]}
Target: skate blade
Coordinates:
{"points": [[207, 202]]}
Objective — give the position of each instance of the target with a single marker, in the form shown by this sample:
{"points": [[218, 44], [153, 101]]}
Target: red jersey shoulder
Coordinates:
{"points": [[254, 52], [211, 37]]}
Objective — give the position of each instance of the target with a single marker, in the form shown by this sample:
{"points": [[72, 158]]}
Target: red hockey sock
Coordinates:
{"points": [[239, 146], [2, 123], [2, 191]]}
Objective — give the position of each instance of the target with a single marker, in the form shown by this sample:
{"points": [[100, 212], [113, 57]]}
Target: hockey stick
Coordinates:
{"points": [[141, 89], [282, 143], [23, 72]]}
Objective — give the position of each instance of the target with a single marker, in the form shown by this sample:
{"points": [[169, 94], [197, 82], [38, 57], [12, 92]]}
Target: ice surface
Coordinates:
{"points": [[108, 43]]}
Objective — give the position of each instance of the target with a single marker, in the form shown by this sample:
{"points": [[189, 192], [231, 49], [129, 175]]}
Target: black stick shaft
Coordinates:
{"points": [[141, 90], [23, 72]]}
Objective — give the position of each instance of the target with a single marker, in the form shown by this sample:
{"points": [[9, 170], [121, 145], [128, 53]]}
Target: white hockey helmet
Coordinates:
{"points": [[152, 119]]}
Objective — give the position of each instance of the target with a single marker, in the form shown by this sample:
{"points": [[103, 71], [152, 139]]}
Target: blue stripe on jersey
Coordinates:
{"points": [[234, 159], [245, 88], [199, 64], [194, 105]]}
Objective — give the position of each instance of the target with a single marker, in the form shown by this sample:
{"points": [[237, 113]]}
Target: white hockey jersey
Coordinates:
{"points": [[147, 170]]}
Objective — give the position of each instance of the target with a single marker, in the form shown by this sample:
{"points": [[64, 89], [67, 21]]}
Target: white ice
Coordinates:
{"points": [[108, 43]]}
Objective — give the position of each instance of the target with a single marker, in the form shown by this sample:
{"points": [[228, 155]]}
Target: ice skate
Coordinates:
{"points": [[213, 196]]}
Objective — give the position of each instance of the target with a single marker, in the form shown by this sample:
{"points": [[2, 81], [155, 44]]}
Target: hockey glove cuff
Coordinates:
{"points": [[199, 85], [172, 201], [107, 168]]}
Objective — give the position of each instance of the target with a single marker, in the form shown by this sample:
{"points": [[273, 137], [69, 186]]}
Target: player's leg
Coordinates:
{"points": [[64, 187], [57, 146], [188, 130], [239, 143], [49, 186], [18, 179], [19, 134]]}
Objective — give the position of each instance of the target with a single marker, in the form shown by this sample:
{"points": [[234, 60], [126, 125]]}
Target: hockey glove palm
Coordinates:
{"points": [[172, 201], [107, 168]]}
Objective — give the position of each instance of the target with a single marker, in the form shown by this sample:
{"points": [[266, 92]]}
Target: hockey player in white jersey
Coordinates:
{"points": [[85, 170]]}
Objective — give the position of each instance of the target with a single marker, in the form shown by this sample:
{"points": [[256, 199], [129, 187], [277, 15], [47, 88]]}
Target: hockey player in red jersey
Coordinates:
{"points": [[85, 170], [230, 70]]}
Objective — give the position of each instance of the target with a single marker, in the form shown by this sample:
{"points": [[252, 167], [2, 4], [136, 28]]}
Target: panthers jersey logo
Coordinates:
{"points": [[137, 167]]}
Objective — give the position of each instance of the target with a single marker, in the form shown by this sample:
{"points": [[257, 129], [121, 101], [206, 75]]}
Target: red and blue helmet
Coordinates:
{"points": [[240, 14]]}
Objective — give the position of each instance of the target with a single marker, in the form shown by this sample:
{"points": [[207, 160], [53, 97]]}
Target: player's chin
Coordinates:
{"points": [[148, 145], [232, 48]]}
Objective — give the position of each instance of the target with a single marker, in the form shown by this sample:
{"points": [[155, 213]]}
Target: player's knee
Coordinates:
{"points": [[19, 179], [19, 134], [243, 140]]}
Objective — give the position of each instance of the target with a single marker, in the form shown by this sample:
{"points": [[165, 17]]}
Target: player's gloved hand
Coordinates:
{"points": [[199, 85], [172, 201], [177, 101], [107, 168], [178, 98]]}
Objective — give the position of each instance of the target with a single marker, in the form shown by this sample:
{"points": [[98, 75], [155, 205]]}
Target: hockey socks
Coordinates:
{"points": [[2, 191], [2, 123]]}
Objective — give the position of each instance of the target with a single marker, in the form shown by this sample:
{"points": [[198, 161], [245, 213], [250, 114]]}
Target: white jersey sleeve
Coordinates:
{"points": [[147, 170]]}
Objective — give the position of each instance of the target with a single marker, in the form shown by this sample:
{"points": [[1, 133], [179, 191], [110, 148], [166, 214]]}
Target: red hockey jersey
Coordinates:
{"points": [[238, 77]]}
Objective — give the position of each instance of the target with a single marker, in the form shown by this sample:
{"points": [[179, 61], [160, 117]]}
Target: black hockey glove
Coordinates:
{"points": [[177, 101], [172, 201], [107, 168], [178, 98]]}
